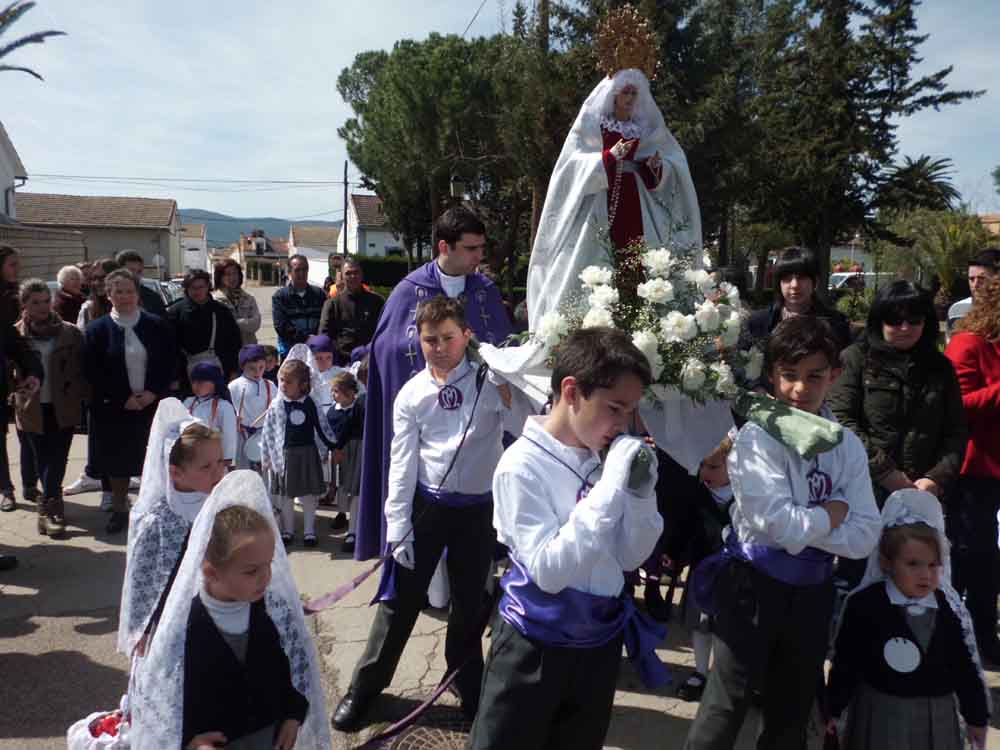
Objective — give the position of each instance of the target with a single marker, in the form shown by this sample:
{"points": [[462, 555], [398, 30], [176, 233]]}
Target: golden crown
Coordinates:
{"points": [[625, 40]]}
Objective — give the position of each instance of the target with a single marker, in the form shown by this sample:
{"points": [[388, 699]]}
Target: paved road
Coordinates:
{"points": [[58, 618]]}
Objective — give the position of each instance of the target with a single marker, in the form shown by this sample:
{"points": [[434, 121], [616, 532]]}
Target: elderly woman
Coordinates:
{"points": [[243, 306], [972, 507], [47, 417], [204, 328], [70, 298], [129, 359], [899, 394], [97, 304]]}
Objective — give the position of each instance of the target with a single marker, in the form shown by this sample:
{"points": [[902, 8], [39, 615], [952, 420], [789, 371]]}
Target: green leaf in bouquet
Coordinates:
{"points": [[806, 434]]}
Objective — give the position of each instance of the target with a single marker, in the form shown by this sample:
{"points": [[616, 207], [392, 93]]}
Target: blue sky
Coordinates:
{"points": [[246, 90]]}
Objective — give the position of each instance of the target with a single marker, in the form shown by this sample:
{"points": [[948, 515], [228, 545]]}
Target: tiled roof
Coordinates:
{"points": [[306, 236], [369, 210], [193, 231], [46, 209], [278, 246]]}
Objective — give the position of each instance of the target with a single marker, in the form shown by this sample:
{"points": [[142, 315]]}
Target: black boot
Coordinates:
{"points": [[351, 709]]}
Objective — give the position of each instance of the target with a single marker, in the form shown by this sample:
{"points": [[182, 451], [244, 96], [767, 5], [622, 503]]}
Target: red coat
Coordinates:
{"points": [[627, 225], [977, 364]]}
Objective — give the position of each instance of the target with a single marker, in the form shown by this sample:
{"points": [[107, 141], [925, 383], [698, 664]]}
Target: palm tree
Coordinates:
{"points": [[8, 16], [920, 183]]}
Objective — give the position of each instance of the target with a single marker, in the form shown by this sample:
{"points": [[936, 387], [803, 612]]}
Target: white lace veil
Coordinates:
{"points": [[917, 506], [172, 418], [157, 695]]}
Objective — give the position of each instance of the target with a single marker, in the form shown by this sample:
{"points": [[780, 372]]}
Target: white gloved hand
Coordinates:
{"points": [[631, 465], [402, 553]]}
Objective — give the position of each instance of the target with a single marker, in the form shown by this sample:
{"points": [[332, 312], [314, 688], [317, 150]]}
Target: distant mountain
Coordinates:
{"points": [[223, 230]]}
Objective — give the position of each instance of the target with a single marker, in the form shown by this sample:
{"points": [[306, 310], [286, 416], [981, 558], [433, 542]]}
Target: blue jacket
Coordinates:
{"points": [[104, 359], [296, 318]]}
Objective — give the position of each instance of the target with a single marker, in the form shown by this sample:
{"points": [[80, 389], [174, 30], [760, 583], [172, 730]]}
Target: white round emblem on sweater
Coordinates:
{"points": [[902, 655], [297, 417]]}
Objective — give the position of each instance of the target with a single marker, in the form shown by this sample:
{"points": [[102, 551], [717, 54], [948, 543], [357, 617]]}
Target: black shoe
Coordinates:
{"points": [[31, 494], [339, 522], [691, 689], [288, 540], [7, 562], [117, 523], [659, 609], [7, 501], [310, 541], [348, 546], [350, 711]]}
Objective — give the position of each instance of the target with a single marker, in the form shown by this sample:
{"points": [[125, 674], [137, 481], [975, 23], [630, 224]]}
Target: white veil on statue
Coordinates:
{"points": [[157, 694], [576, 208]]}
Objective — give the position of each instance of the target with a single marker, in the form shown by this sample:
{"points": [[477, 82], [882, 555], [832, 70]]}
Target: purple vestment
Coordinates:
{"points": [[395, 357]]}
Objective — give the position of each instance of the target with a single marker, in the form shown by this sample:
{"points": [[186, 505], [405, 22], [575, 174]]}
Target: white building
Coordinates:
{"points": [[11, 170], [194, 247], [317, 244], [368, 230]]}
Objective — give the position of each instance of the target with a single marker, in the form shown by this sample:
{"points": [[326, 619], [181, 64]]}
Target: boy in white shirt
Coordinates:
{"points": [[448, 426], [770, 587], [573, 525], [252, 393]]}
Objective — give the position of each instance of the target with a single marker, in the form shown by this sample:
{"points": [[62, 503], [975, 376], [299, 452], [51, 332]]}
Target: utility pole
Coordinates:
{"points": [[343, 226]]}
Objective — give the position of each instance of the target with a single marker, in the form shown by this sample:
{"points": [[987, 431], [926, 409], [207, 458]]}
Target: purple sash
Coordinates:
{"points": [[575, 619], [809, 567]]}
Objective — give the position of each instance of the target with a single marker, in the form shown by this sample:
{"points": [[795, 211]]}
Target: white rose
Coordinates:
{"points": [[603, 296], [594, 276], [731, 293], [647, 343], [707, 315], [551, 328], [658, 262], [755, 364], [598, 316], [701, 279], [656, 291], [731, 328], [678, 327], [692, 375], [725, 383]]}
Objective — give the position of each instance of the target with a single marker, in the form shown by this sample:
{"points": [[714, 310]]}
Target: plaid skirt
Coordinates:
{"points": [[877, 720], [303, 473]]}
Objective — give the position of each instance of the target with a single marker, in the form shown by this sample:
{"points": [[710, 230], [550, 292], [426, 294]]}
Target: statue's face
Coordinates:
{"points": [[625, 102]]}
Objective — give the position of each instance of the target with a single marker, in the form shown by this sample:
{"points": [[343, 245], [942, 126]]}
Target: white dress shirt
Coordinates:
{"points": [[251, 397], [563, 543], [427, 436], [778, 492], [225, 420]]}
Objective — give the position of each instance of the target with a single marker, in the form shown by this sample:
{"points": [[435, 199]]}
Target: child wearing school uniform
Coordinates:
{"points": [[252, 394], [233, 664], [770, 587], [323, 355], [447, 440], [212, 404], [906, 647], [292, 436], [347, 423], [183, 463], [573, 525], [693, 533]]}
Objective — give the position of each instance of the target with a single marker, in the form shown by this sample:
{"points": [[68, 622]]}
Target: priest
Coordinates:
{"points": [[395, 355]]}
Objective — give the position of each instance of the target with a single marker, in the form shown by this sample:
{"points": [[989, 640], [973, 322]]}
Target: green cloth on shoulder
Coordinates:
{"points": [[806, 434]]}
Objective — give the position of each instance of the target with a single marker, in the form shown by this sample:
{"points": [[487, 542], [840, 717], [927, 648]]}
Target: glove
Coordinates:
{"points": [[631, 465], [402, 553]]}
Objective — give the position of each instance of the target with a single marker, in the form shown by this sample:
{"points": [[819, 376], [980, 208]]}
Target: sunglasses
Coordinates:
{"points": [[897, 320]]}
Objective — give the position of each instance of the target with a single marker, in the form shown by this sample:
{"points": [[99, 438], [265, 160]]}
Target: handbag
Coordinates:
{"points": [[208, 355]]}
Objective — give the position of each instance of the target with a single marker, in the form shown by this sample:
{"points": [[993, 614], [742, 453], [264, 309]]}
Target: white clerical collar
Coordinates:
{"points": [[229, 617], [899, 598]]}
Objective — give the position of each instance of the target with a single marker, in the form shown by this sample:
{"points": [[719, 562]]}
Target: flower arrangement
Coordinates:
{"points": [[687, 324]]}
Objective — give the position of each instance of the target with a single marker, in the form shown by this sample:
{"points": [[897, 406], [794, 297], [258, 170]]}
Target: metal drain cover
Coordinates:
{"points": [[441, 728]]}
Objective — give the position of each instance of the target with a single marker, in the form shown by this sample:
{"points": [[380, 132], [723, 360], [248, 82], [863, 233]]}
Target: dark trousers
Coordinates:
{"points": [[5, 484], [537, 697], [770, 643], [29, 468], [49, 453], [468, 535], [971, 523]]}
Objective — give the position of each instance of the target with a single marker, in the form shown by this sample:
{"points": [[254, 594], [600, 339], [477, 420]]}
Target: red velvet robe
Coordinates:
{"points": [[627, 225]]}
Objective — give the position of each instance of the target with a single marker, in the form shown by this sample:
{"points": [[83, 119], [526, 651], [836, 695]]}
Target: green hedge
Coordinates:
{"points": [[383, 271]]}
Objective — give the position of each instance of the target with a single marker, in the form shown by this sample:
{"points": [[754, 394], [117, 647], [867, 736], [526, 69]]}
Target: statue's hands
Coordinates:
{"points": [[654, 162], [620, 150]]}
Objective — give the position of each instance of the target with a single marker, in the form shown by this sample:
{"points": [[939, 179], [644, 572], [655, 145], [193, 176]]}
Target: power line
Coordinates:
{"points": [[481, 6], [265, 181]]}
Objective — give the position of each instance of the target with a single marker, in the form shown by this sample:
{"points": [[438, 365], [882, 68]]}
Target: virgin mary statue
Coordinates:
{"points": [[621, 177]]}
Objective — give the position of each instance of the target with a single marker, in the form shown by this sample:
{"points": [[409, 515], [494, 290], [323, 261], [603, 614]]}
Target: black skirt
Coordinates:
{"points": [[120, 436]]}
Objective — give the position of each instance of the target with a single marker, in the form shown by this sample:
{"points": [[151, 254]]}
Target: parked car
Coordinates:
{"points": [[843, 282]]}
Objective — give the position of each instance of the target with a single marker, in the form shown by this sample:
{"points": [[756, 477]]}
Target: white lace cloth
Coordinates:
{"points": [[157, 695], [135, 352]]}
